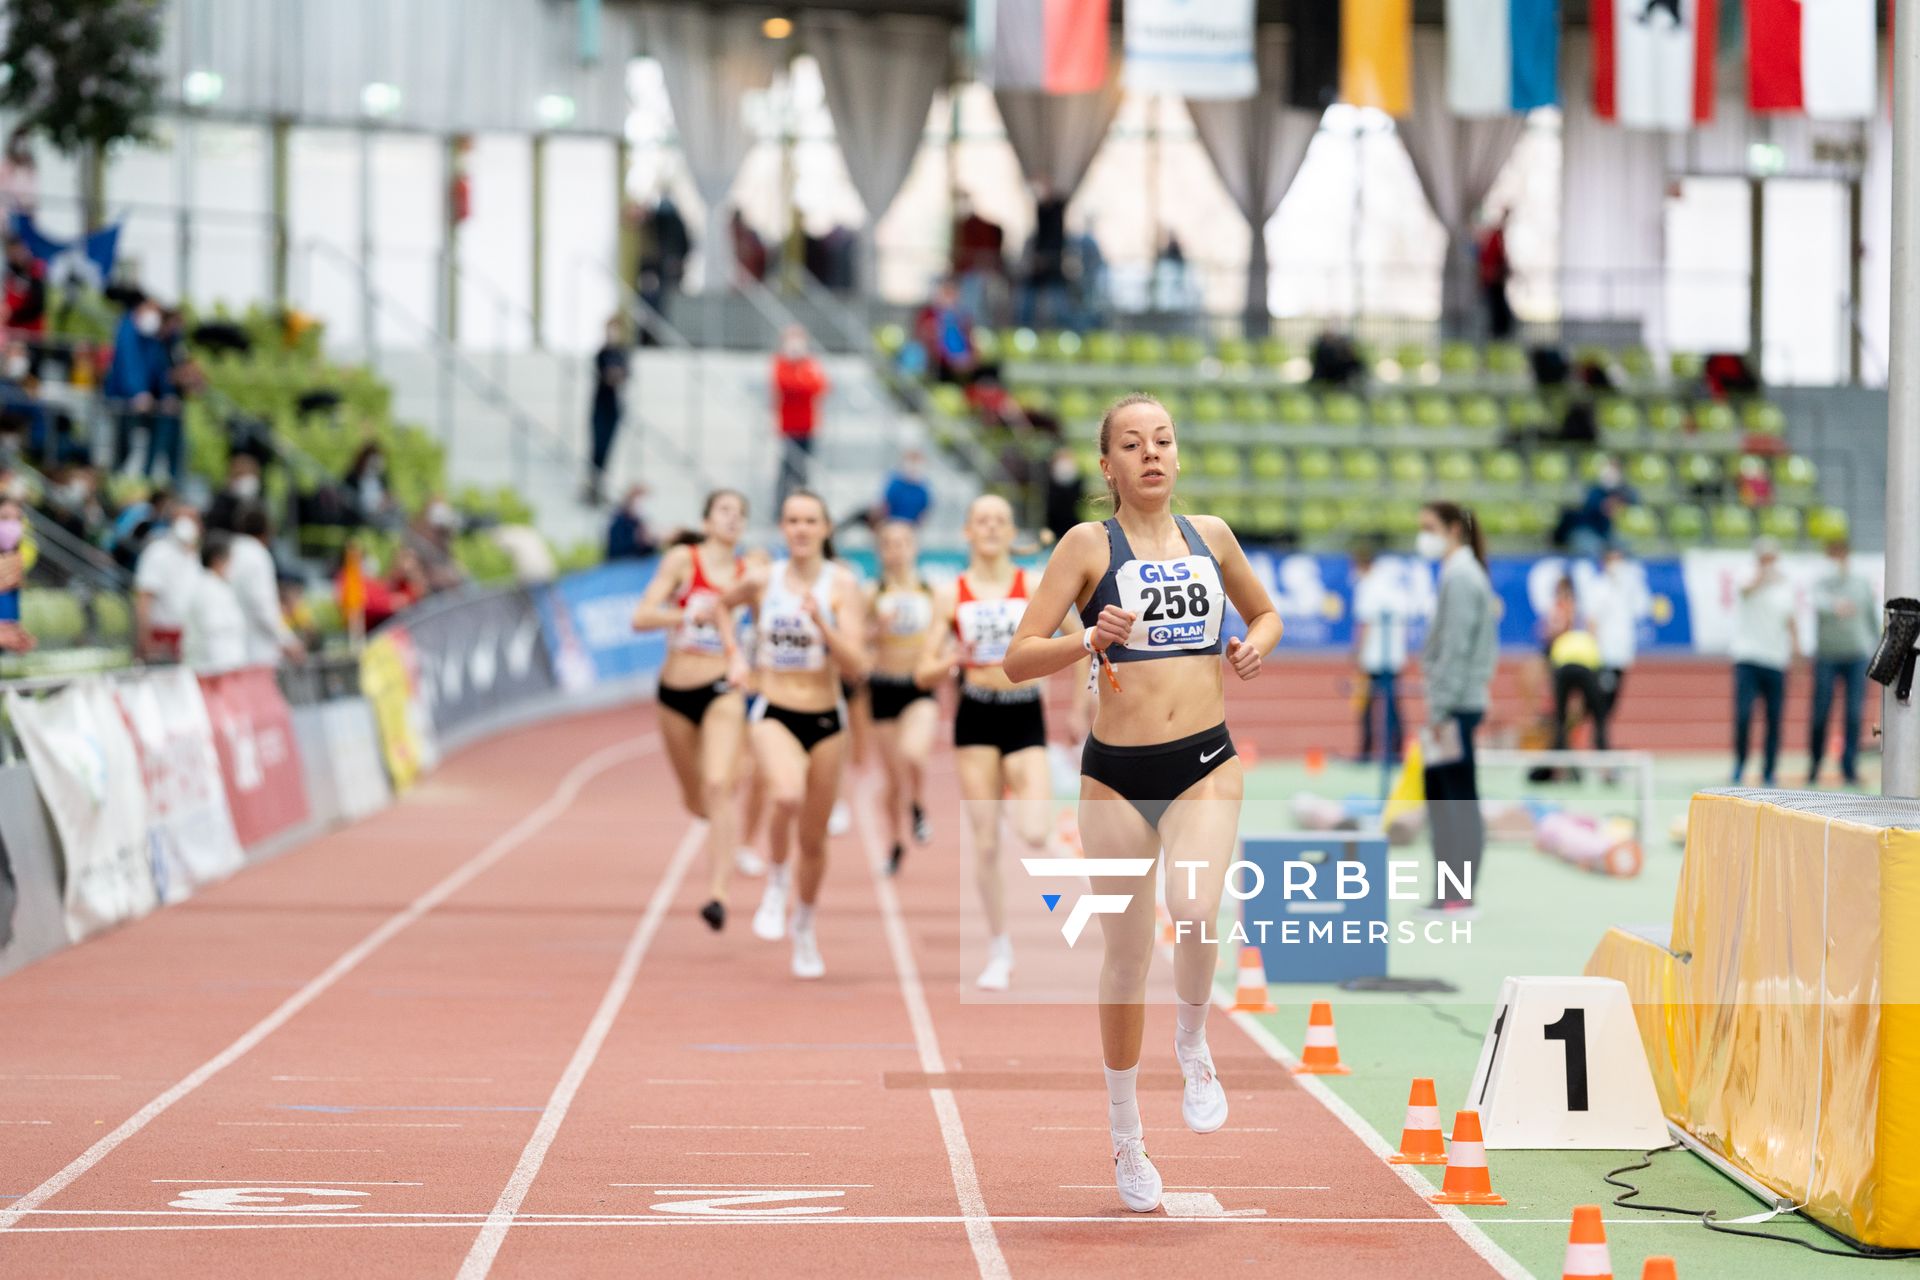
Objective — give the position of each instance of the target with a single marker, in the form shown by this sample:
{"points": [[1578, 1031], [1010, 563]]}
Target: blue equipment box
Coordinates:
{"points": [[1323, 937]]}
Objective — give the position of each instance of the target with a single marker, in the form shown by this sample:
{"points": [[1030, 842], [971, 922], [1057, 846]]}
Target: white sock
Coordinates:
{"points": [[1190, 1036], [802, 917], [777, 874], [1000, 947], [1123, 1108]]}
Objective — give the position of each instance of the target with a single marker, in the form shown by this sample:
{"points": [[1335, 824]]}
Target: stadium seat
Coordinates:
{"points": [[1502, 519], [1252, 408], [1618, 415], [1781, 522], [1668, 417], [1552, 470], [1274, 351], [1402, 517], [1433, 411], [1795, 478], [1342, 409], [1637, 363], [1221, 462], [1508, 360], [1686, 525], [1176, 404], [1482, 413], [113, 619], [1764, 418], [1210, 408], [52, 617], [1267, 464], [1185, 350], [1360, 466], [1062, 346], [1686, 365], [1711, 417], [1528, 413], [889, 339], [1454, 469], [1297, 409], [1700, 471], [1361, 515], [1732, 524], [948, 400], [1105, 347], [1231, 507], [1021, 344], [1146, 349], [1637, 527], [1234, 352], [1314, 466], [987, 344], [1267, 516], [1650, 473], [1416, 363], [1504, 469], [1317, 518], [1538, 516], [1390, 411], [1077, 406], [1459, 360], [1407, 469], [1826, 524], [1035, 399]]}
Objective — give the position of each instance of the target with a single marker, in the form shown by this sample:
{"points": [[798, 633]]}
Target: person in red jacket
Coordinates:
{"points": [[798, 384]]}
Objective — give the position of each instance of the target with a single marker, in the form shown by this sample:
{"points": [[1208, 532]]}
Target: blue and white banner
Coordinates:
{"points": [[1503, 56], [1194, 48], [91, 257], [588, 620]]}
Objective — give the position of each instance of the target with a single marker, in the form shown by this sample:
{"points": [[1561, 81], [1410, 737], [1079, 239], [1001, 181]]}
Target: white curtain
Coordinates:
{"points": [[1257, 145], [1457, 162], [880, 75], [1613, 211], [1055, 136], [711, 59]]}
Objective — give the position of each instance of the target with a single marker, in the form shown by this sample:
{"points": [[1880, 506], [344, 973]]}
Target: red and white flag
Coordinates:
{"points": [[1653, 62], [1816, 57]]}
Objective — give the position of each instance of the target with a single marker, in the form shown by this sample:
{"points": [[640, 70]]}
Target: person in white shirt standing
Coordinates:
{"points": [[1763, 650], [1616, 601], [1380, 612], [215, 637], [163, 577], [256, 584]]}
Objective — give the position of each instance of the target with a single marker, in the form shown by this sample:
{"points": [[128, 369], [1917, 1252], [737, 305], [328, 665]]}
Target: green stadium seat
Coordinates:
{"points": [[1146, 349], [1508, 360], [1504, 469], [1417, 363], [1390, 412], [1502, 519], [113, 618], [1360, 466], [1637, 362], [1035, 399], [1407, 469], [1402, 517], [1342, 409], [1105, 347], [1552, 470], [1297, 409], [948, 400], [1764, 418], [1711, 417], [1178, 407], [1686, 525], [1361, 515], [1459, 360], [1060, 346], [1538, 516], [1234, 352], [1528, 413], [1231, 507], [1700, 471], [1267, 516], [1593, 353], [1782, 523], [1795, 477], [987, 344], [1221, 462], [1273, 351], [1088, 456], [1314, 466], [1433, 411], [890, 339], [1267, 464], [1827, 524], [1318, 518], [1454, 469], [1022, 344], [1686, 365], [1618, 415], [1482, 413], [1185, 350], [1732, 524], [1210, 408], [1668, 417], [1637, 527], [1592, 464], [1650, 473], [1077, 406], [1253, 408]]}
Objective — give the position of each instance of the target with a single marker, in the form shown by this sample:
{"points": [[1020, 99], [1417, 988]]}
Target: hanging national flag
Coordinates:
{"points": [[1653, 62], [1503, 56], [1198, 51], [1355, 51], [1053, 46], [89, 259], [1812, 56]]}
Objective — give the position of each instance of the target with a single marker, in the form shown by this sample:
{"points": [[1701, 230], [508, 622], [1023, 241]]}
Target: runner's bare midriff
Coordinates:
{"points": [[801, 690], [1161, 701], [685, 670]]}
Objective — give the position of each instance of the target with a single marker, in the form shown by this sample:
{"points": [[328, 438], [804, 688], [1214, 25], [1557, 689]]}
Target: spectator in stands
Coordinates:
{"points": [[434, 530], [1845, 636], [1463, 646], [407, 581], [749, 250], [1587, 530], [1090, 278], [610, 366], [213, 625], [16, 561], [179, 377], [163, 580], [367, 494], [255, 583], [1381, 613], [1616, 601], [1043, 296], [798, 384], [627, 536], [1763, 651], [74, 503], [664, 248], [907, 496], [1335, 360], [1173, 289], [19, 177], [26, 290], [21, 412], [133, 379], [242, 489], [1496, 273], [979, 261], [135, 523], [296, 613], [945, 331], [1066, 488]]}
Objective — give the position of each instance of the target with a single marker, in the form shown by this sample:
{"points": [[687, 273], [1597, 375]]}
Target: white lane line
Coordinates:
{"points": [[762, 1084], [26, 1122], [559, 802], [275, 1182], [1091, 1128], [1202, 1204], [992, 1263], [486, 1245], [338, 1124], [797, 1186], [59, 1077], [1108, 1186], [1466, 1228], [747, 1153], [314, 1151], [382, 1079], [756, 1128]]}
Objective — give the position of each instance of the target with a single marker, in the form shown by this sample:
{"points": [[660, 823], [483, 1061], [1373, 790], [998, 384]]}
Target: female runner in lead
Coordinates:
{"points": [[903, 713], [701, 685], [1159, 768], [999, 726], [810, 633]]}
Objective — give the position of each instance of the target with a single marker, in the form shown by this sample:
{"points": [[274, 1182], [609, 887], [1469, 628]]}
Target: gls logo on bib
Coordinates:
{"points": [[1176, 603]]}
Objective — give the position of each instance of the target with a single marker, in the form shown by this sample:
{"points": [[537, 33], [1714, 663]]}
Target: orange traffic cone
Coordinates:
{"points": [[1250, 992], [1587, 1247], [1467, 1181], [1316, 760], [1659, 1267], [1420, 1139], [1321, 1056]]}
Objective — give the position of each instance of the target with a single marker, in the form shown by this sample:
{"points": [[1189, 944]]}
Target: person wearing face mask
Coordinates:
{"points": [[798, 384], [255, 583], [163, 580], [611, 369], [1463, 646], [1845, 613], [138, 366], [241, 488], [434, 530], [366, 485], [214, 625], [17, 555]]}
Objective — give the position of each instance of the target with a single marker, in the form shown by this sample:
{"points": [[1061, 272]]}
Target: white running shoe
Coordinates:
{"points": [[806, 953], [747, 862], [770, 921], [1134, 1174], [998, 975], [840, 821], [1203, 1103]]}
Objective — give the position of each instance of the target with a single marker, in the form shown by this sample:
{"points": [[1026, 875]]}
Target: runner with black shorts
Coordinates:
{"points": [[901, 608]]}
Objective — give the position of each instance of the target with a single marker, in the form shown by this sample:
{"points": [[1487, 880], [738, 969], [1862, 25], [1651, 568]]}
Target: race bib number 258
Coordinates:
{"points": [[1176, 603]]}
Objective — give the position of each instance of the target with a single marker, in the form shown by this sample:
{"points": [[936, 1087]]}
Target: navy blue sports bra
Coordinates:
{"points": [[1177, 604]]}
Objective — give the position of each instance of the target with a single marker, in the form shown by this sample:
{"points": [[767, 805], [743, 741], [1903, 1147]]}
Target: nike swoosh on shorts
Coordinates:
{"points": [[1204, 756]]}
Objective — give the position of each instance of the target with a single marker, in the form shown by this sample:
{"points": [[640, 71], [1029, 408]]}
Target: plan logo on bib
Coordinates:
{"points": [[1178, 633]]}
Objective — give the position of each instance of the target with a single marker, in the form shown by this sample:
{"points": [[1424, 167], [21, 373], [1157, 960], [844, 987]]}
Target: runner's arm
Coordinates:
{"points": [[653, 613], [1038, 648], [1242, 585], [936, 659], [844, 639]]}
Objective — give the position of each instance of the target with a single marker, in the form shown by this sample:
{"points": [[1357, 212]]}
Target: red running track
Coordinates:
{"points": [[484, 1033]]}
